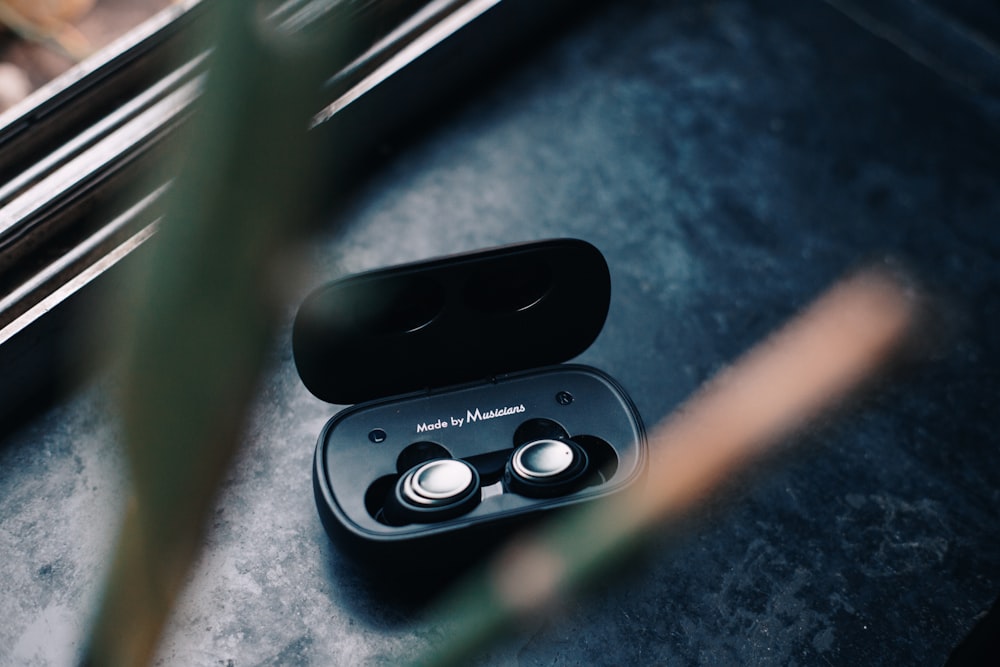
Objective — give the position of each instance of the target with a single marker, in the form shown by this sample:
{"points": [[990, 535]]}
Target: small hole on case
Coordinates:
{"points": [[416, 453], [394, 308], [603, 459], [376, 494], [518, 285], [539, 429]]}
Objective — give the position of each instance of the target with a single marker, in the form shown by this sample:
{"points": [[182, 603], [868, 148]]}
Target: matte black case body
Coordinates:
{"points": [[379, 337]]}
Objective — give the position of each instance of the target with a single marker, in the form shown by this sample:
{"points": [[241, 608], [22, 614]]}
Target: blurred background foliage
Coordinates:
{"points": [[41, 39]]}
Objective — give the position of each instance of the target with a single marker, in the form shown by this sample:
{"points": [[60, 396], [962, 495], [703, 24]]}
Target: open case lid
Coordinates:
{"points": [[451, 320]]}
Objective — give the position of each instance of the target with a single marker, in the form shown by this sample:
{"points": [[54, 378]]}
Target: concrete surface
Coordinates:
{"points": [[730, 159]]}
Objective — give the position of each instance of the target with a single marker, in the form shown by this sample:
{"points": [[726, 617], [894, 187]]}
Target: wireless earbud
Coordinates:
{"points": [[546, 468], [432, 491], [444, 488]]}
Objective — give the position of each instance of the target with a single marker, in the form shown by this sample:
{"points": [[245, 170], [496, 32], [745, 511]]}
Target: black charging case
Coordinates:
{"points": [[465, 422]]}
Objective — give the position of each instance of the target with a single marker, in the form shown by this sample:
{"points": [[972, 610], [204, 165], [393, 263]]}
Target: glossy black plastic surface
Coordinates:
{"points": [[455, 364], [481, 424], [451, 320]]}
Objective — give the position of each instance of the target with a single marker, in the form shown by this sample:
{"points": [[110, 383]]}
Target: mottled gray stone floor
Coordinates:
{"points": [[730, 159]]}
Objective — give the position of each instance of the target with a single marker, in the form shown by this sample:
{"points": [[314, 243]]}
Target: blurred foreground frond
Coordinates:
{"points": [[201, 308], [806, 367], [49, 22]]}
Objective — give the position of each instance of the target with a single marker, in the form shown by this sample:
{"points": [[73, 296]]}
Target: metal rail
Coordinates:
{"points": [[78, 195]]}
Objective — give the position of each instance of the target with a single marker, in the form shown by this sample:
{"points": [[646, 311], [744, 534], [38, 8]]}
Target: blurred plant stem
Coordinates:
{"points": [[808, 366], [201, 308]]}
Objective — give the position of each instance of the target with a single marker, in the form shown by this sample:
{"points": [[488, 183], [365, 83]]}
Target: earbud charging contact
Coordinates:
{"points": [[546, 468]]}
